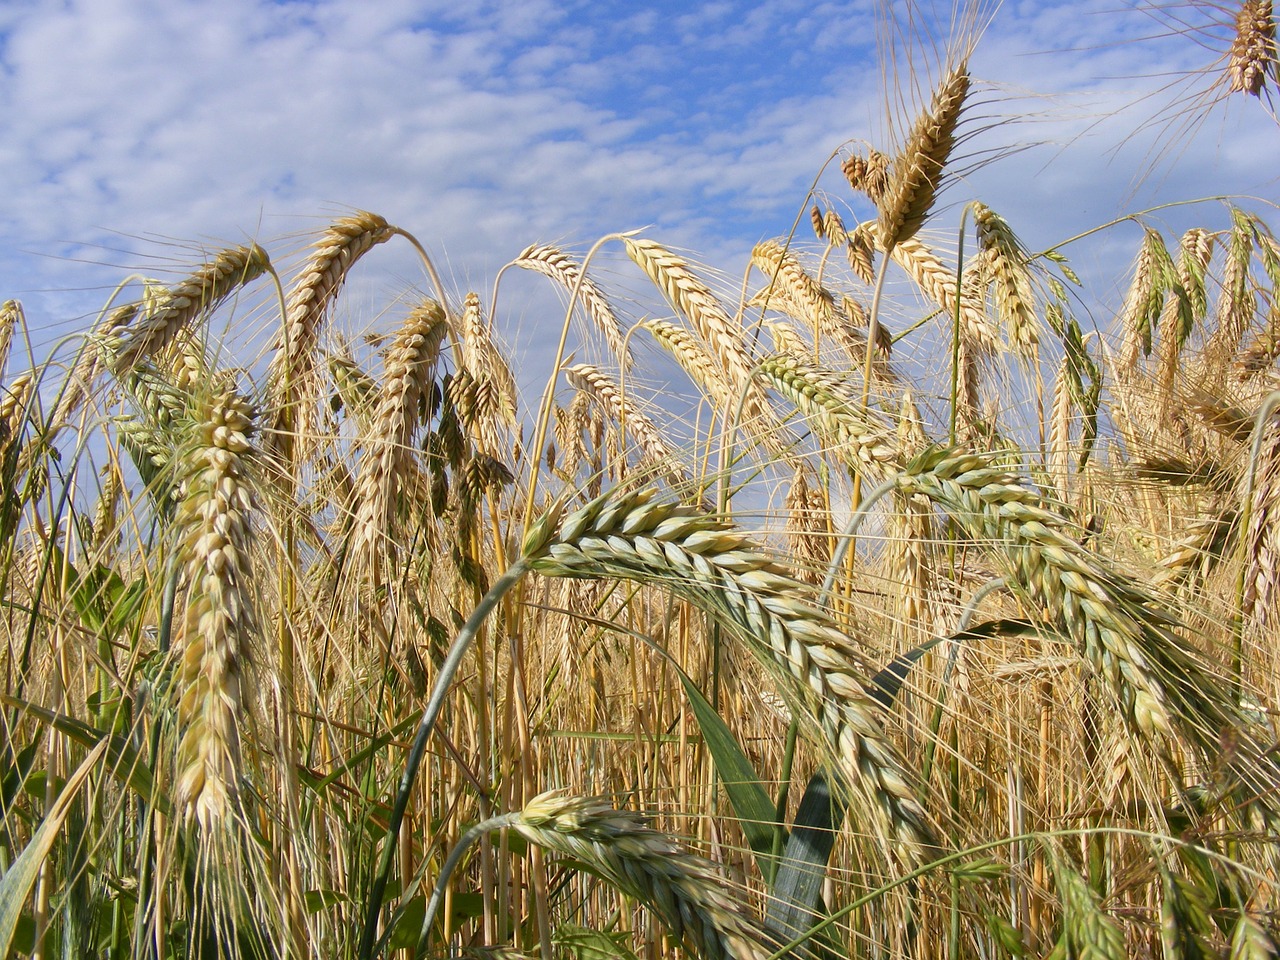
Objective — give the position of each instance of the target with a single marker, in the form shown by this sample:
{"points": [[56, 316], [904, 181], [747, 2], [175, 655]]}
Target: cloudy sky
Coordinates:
{"points": [[139, 132]]}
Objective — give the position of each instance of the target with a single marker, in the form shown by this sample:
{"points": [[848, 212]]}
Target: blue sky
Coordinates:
{"points": [[138, 132]]}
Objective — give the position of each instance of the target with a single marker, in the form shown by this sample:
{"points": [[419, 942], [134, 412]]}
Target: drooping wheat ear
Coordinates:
{"points": [[15, 402], [710, 321], [1195, 250], [861, 250], [103, 526], [219, 624], [559, 266], [1153, 276], [694, 359], [854, 433], [200, 293], [784, 271], [344, 242], [1087, 931], [829, 226], [705, 561], [1262, 551], [938, 282], [1205, 541], [10, 318], [916, 171], [807, 526], [1253, 49], [1161, 685], [868, 175], [655, 455], [787, 339], [495, 392], [1007, 262], [356, 389], [1237, 302], [684, 890], [410, 367]]}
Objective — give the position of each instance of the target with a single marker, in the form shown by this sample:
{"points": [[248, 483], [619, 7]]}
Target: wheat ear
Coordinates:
{"points": [[1007, 262], [712, 323], [915, 172], [682, 889], [11, 318], [344, 242], [635, 537], [820, 394], [218, 624], [559, 266], [1160, 683], [176, 307], [1253, 49], [409, 369]]}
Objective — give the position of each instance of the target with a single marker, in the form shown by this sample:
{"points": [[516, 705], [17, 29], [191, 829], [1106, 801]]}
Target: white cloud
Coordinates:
{"points": [[483, 127]]}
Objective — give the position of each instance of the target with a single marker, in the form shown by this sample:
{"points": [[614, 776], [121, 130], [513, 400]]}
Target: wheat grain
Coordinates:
{"points": [[683, 890]]}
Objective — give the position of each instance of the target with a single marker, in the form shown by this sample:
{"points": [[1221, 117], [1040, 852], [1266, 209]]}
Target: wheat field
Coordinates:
{"points": [[907, 612]]}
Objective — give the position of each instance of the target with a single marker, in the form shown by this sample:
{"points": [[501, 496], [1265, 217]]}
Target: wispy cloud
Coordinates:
{"points": [[482, 127]]}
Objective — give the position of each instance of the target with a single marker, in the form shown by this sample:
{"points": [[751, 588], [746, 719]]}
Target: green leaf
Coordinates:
{"points": [[795, 900], [404, 936], [16, 884], [583, 944], [756, 813], [126, 763]]}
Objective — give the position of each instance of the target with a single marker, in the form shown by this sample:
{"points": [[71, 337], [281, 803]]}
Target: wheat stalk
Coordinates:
{"points": [[635, 537], [559, 266], [916, 171], [683, 890], [219, 622]]}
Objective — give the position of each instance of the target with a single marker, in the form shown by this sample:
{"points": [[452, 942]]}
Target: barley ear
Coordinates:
{"points": [[916, 171], [683, 890]]}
